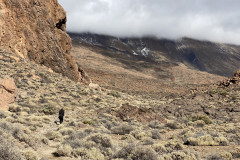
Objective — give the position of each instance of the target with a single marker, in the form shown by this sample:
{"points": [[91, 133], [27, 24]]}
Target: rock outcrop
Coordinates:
{"points": [[8, 92], [234, 80], [36, 29]]}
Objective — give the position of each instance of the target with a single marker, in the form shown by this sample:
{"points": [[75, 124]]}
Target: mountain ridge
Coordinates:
{"points": [[214, 58]]}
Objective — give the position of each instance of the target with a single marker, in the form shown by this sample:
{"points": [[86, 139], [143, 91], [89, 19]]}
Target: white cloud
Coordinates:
{"points": [[214, 20]]}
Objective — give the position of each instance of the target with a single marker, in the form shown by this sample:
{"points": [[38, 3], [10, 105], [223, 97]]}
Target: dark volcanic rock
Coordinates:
{"points": [[234, 80]]}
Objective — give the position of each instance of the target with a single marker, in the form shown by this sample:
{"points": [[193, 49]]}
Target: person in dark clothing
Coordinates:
{"points": [[61, 115]]}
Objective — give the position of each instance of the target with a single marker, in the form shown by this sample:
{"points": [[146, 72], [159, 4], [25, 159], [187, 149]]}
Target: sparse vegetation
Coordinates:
{"points": [[93, 128], [201, 139], [8, 150], [122, 129], [132, 151], [64, 150], [204, 118]]}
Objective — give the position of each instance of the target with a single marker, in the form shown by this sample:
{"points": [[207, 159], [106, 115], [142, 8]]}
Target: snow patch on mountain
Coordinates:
{"points": [[91, 41], [134, 53], [145, 52]]}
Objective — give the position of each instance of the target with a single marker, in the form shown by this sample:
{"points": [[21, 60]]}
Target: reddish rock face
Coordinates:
{"points": [[8, 92], [36, 29]]}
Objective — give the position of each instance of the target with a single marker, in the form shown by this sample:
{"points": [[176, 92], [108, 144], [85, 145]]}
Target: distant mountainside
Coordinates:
{"points": [[214, 58], [153, 65]]}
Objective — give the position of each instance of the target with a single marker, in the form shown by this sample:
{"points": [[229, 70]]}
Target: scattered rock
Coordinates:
{"points": [[94, 86], [234, 80]]}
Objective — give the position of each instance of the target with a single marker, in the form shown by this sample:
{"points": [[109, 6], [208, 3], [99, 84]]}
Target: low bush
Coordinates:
{"points": [[206, 140], [134, 152], [30, 155], [180, 155], [66, 131], [52, 135], [8, 150], [155, 134], [2, 115], [160, 148], [102, 140], [204, 118], [122, 129], [63, 150]]}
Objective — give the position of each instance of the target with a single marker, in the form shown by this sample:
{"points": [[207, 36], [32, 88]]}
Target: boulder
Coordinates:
{"points": [[8, 92], [234, 80]]}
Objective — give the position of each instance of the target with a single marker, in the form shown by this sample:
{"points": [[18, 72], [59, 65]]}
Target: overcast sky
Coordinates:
{"points": [[214, 20]]}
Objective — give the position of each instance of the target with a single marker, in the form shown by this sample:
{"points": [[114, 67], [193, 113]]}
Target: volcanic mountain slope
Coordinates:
{"points": [[153, 65], [215, 58], [101, 124]]}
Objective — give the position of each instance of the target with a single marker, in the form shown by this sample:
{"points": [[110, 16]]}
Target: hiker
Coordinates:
{"points": [[61, 115]]}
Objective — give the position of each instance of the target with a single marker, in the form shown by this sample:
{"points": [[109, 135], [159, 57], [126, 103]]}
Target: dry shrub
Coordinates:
{"points": [[173, 146], [75, 139], [3, 114], [30, 155], [63, 150], [17, 132], [88, 143], [147, 141], [199, 123], [206, 140], [173, 125], [8, 150], [156, 125], [50, 108], [226, 155], [179, 155], [92, 153], [89, 121], [204, 118], [158, 147], [155, 134], [140, 135], [53, 135], [236, 152], [214, 157], [66, 131], [114, 94], [122, 129], [134, 152], [102, 140], [14, 108]]}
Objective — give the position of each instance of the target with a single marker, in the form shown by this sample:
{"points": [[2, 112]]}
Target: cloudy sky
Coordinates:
{"points": [[213, 20]]}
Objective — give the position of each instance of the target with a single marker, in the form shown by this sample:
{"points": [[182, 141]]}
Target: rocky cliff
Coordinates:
{"points": [[36, 29]]}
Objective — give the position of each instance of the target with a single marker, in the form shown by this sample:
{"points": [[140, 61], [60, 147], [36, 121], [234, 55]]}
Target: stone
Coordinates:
{"points": [[8, 92], [94, 86]]}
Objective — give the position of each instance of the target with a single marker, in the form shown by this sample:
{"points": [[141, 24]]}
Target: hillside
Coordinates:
{"points": [[150, 65], [146, 99], [202, 123], [215, 58]]}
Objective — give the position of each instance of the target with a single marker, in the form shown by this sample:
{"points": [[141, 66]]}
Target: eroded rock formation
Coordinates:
{"points": [[36, 29], [8, 92], [234, 80]]}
